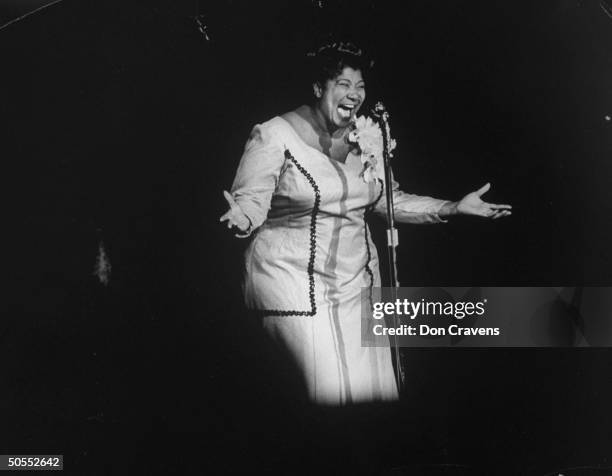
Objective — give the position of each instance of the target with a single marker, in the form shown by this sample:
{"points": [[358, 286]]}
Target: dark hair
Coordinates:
{"points": [[328, 61]]}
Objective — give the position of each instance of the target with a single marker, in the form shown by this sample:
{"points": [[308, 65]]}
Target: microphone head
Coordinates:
{"points": [[379, 110]]}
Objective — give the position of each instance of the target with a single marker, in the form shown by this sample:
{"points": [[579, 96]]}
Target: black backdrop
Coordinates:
{"points": [[122, 124]]}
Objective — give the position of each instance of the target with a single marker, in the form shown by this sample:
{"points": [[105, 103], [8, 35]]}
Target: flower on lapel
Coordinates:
{"points": [[367, 136]]}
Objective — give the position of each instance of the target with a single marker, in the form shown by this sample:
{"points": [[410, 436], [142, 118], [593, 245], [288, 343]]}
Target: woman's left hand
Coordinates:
{"points": [[472, 204]]}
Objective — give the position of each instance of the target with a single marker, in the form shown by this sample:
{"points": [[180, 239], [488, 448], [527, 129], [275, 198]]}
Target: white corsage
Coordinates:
{"points": [[367, 136]]}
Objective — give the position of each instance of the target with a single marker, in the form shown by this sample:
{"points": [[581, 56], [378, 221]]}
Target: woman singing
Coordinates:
{"points": [[303, 190]]}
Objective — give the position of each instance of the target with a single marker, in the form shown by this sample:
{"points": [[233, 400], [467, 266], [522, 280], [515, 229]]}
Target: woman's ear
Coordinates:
{"points": [[318, 91]]}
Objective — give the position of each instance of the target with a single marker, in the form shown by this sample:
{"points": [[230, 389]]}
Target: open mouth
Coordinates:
{"points": [[346, 110]]}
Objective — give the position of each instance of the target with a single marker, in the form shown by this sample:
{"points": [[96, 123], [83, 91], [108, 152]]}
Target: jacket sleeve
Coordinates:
{"points": [[411, 208], [257, 175]]}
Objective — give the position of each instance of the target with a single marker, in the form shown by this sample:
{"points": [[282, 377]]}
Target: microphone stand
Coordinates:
{"points": [[382, 118]]}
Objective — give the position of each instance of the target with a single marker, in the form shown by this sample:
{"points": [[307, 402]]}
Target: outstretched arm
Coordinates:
{"points": [[255, 181], [409, 208]]}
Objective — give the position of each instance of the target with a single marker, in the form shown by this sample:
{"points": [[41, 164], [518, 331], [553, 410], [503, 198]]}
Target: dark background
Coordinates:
{"points": [[122, 124]]}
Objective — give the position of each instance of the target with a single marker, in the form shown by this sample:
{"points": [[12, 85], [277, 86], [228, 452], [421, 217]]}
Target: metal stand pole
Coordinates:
{"points": [[382, 117]]}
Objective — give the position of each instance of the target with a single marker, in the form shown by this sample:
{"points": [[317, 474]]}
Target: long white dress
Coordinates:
{"points": [[312, 254]]}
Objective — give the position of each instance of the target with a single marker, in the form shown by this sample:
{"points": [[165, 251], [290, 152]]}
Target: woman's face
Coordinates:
{"points": [[340, 98]]}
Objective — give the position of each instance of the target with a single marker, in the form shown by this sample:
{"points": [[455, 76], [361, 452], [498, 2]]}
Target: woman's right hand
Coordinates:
{"points": [[235, 216]]}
